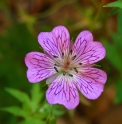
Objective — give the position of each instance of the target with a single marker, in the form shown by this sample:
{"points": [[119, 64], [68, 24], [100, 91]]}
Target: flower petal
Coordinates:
{"points": [[55, 43], [86, 50], [91, 82], [63, 91], [40, 66]]}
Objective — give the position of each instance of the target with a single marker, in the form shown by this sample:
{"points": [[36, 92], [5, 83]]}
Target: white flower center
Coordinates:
{"points": [[64, 65]]}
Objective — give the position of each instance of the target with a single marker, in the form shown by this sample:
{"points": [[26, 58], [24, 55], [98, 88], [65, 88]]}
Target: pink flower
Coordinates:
{"points": [[67, 67]]}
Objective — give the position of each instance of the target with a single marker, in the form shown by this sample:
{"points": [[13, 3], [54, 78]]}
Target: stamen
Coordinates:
{"points": [[62, 54], [64, 73], [70, 75], [80, 63], [55, 56], [73, 57], [56, 69], [56, 65], [71, 52], [76, 70]]}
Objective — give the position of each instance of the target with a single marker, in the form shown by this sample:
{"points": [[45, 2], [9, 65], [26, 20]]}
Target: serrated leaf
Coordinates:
{"points": [[114, 4], [15, 110], [114, 11], [36, 96], [21, 96], [113, 55], [40, 115]]}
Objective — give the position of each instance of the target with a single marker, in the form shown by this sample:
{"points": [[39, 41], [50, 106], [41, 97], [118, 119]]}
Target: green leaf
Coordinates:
{"points": [[15, 110], [36, 96], [114, 11], [114, 4], [40, 115], [118, 91], [57, 110], [113, 55], [33, 121], [21, 96], [120, 0], [117, 40], [119, 26]]}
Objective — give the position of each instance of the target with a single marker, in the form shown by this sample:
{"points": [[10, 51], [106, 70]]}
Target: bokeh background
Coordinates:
{"points": [[20, 23]]}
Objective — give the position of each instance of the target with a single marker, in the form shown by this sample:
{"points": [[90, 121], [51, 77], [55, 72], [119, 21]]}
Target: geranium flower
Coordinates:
{"points": [[67, 67]]}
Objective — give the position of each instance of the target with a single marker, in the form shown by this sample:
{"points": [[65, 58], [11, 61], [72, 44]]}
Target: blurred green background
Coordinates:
{"points": [[20, 23]]}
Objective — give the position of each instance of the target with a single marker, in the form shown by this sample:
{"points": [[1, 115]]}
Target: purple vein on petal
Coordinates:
{"points": [[39, 66], [63, 91]]}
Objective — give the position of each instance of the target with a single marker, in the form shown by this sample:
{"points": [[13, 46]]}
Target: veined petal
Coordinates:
{"points": [[63, 91], [55, 43], [91, 82], [40, 66], [81, 42], [86, 50]]}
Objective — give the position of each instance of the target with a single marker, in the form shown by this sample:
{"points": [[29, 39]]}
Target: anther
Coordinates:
{"points": [[64, 73], [80, 63], [76, 70], [70, 51], [73, 57], [56, 69], [70, 75], [55, 56], [62, 54], [56, 65]]}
